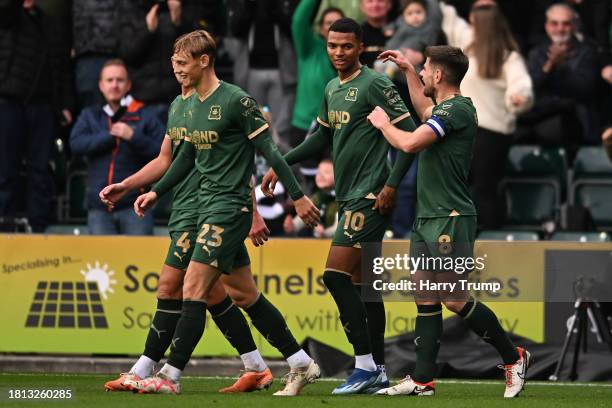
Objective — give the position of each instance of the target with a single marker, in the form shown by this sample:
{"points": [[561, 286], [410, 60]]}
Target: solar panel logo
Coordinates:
{"points": [[67, 305]]}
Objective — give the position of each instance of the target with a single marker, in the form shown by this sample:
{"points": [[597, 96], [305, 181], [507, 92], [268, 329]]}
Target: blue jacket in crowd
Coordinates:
{"points": [[112, 159]]}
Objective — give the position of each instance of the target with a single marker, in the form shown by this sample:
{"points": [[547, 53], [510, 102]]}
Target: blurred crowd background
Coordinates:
{"points": [[85, 86]]}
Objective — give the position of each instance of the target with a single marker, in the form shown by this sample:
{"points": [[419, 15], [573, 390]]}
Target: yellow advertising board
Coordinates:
{"points": [[66, 294]]}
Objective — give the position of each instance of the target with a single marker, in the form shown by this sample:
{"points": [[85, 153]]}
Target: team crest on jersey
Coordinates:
{"points": [[351, 95], [447, 106], [215, 113]]}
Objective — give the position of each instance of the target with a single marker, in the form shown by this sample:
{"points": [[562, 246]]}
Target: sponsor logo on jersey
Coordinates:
{"points": [[204, 139], [246, 101], [215, 113], [352, 94], [391, 95], [447, 106], [177, 134], [338, 118]]}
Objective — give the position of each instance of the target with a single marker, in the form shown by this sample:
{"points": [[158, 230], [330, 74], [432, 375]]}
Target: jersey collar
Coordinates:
{"points": [[188, 94], [202, 98], [353, 76]]}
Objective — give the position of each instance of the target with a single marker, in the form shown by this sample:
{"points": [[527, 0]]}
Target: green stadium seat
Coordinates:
{"points": [[592, 161], [76, 188], [581, 236], [534, 185], [536, 161], [508, 236], [63, 229], [591, 184]]}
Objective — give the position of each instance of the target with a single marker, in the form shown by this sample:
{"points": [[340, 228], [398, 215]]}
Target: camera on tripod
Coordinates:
{"points": [[586, 309]]}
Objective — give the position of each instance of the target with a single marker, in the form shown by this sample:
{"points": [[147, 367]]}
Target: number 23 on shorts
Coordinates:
{"points": [[214, 239]]}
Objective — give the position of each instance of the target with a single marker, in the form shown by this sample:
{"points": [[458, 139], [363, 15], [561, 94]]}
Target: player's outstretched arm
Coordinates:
{"points": [[408, 142], [304, 208], [149, 174], [177, 172], [422, 104], [311, 146], [259, 232]]}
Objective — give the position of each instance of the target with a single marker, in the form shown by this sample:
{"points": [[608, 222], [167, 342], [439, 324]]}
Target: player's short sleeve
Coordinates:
{"points": [[446, 118], [383, 93], [247, 115], [322, 117]]}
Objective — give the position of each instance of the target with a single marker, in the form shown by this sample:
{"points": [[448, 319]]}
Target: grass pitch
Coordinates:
{"points": [[202, 392]]}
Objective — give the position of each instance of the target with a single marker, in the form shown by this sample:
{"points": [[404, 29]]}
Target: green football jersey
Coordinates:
{"points": [[442, 179], [186, 192], [359, 149], [221, 127]]}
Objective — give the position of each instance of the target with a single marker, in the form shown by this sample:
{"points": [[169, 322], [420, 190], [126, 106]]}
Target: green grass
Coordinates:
{"points": [[202, 392]]}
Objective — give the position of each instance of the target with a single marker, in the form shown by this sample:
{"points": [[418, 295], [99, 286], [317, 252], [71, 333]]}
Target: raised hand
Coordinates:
{"points": [[398, 58]]}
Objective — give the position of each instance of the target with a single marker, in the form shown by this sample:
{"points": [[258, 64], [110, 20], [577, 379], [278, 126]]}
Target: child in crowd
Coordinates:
{"points": [[325, 199], [417, 27]]}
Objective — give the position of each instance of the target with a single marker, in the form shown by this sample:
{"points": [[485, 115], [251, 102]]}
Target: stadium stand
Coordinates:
{"points": [[591, 184], [534, 185], [509, 236], [581, 236], [65, 229]]}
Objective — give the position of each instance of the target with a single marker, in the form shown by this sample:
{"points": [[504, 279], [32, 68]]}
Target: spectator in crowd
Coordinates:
{"points": [[325, 200], [147, 30], [35, 91], [95, 38], [314, 67], [350, 8], [416, 28], [375, 32], [117, 140], [565, 74], [265, 62], [499, 85], [593, 22]]}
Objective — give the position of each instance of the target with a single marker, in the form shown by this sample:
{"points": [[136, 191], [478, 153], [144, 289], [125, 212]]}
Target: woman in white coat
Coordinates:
{"points": [[500, 87]]}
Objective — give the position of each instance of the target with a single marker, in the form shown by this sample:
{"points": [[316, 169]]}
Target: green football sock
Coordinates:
{"points": [[482, 321], [271, 324], [375, 312], [428, 332], [162, 328], [352, 310], [233, 325], [189, 331]]}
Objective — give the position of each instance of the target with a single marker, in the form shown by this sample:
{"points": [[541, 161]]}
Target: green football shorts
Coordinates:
{"points": [[220, 239], [182, 225], [359, 223], [443, 237]]}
